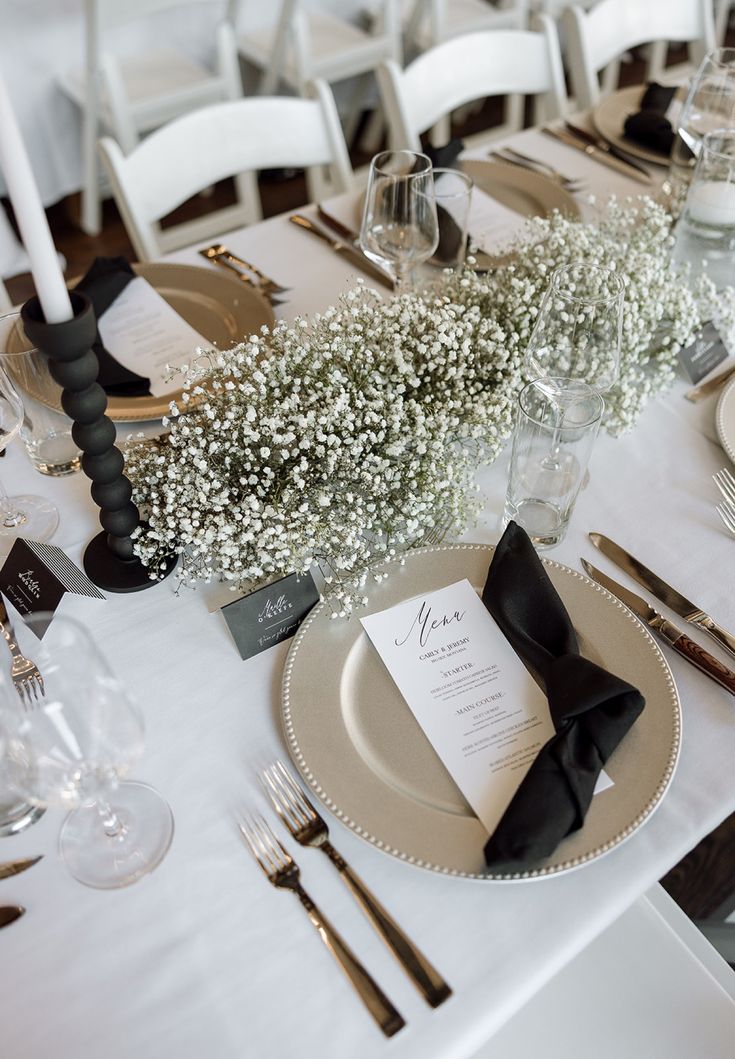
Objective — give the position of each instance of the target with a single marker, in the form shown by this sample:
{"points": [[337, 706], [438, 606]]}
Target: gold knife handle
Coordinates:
{"points": [[372, 996], [305, 223], [697, 655], [424, 976], [222, 261], [723, 637]]}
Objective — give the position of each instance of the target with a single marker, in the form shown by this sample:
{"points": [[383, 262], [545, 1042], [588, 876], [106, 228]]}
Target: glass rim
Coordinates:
{"points": [[15, 315], [586, 393], [464, 177], [376, 167], [723, 133], [588, 269]]}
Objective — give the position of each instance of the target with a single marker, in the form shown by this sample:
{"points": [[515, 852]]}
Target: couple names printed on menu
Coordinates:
{"points": [[476, 702]]}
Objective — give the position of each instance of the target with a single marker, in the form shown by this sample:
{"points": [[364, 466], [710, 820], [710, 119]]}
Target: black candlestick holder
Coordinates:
{"points": [[109, 560]]}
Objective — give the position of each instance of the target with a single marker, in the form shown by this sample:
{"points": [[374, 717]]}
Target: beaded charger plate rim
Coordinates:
{"points": [[362, 754], [219, 307], [725, 420]]}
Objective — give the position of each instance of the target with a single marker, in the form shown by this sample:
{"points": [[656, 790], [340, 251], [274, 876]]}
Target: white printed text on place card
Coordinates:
{"points": [[473, 697], [143, 333]]}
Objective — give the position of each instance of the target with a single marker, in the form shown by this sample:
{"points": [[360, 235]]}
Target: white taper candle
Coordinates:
{"points": [[29, 213]]}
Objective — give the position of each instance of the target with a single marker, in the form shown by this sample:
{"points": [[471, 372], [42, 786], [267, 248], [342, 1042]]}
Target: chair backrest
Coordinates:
{"points": [[110, 14], [470, 67], [215, 142], [598, 36], [438, 20]]}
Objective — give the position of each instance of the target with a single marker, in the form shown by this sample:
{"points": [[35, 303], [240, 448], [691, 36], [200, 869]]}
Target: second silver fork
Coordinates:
{"points": [[309, 829], [24, 673]]}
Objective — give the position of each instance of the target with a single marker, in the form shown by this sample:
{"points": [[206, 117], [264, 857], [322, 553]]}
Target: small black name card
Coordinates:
{"points": [[704, 354], [35, 577], [269, 615]]}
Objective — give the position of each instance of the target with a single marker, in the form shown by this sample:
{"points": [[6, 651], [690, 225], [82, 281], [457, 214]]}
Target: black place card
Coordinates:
{"points": [[269, 615], [704, 354], [36, 577]]}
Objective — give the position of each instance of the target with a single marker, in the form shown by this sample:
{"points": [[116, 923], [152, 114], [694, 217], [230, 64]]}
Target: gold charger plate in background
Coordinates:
{"points": [[530, 194], [220, 307], [360, 750], [610, 115]]}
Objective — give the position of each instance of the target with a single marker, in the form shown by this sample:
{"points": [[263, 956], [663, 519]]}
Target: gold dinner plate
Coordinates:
{"points": [[361, 752], [530, 194], [610, 115], [221, 308], [725, 419]]}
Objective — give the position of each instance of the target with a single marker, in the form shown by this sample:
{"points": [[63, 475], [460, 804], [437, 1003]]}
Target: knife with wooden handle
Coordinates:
{"points": [[666, 629], [679, 604], [9, 914], [15, 867]]}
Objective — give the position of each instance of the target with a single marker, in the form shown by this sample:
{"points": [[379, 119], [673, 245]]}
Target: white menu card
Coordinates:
{"points": [[481, 710], [493, 226], [143, 333]]}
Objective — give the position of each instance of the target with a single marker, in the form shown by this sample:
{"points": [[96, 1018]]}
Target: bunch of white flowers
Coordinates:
{"points": [[338, 442], [333, 443]]}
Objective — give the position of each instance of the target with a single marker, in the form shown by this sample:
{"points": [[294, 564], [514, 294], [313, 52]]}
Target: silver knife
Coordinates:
{"points": [[679, 604], [608, 148], [9, 914], [594, 152], [345, 249], [666, 629], [15, 867]]}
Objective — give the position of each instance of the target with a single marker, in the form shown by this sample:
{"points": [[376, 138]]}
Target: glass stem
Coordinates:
{"points": [[111, 822], [10, 518], [402, 279]]}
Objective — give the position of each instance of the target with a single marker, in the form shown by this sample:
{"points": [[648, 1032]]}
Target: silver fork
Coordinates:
{"points": [[309, 829], [725, 482], [25, 674], [726, 511], [283, 872]]}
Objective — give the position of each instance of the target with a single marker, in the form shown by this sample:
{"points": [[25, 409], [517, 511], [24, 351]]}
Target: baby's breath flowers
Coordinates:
{"points": [[337, 442]]}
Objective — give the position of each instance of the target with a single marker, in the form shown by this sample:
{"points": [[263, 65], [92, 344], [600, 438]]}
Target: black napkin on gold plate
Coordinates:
{"points": [[450, 234], [649, 126], [591, 709], [107, 278]]}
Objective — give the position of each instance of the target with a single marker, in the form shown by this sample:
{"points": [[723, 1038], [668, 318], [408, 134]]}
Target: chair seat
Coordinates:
{"points": [[151, 79], [338, 49]]}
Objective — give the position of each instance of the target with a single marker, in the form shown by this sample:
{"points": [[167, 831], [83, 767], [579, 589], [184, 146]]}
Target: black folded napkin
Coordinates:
{"points": [[649, 126], [106, 278], [591, 709]]}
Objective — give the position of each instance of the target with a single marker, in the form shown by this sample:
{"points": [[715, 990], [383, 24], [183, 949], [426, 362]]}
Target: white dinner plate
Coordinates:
{"points": [[361, 752], [725, 419]]}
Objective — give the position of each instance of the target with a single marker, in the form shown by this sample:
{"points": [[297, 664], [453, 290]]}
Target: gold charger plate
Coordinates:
{"points": [[530, 194], [609, 117], [218, 306], [360, 750]]}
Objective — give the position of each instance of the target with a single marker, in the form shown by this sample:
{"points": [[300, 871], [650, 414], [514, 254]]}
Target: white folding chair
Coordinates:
{"points": [[131, 95], [722, 19], [5, 302], [209, 144], [496, 62], [597, 37], [431, 22], [301, 46]]}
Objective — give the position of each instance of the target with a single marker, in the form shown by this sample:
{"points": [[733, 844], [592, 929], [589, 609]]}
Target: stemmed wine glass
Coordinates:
{"points": [[70, 748], [710, 105], [28, 515], [399, 224]]}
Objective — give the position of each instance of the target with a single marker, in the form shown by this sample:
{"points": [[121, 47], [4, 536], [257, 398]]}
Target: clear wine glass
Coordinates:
{"points": [[399, 224], [71, 747], [28, 516], [578, 331], [709, 105]]}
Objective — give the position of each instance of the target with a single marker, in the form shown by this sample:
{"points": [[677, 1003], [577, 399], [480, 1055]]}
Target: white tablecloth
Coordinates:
{"points": [[204, 958]]}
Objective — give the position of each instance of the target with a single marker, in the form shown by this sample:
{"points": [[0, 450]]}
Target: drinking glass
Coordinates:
{"points": [[45, 430], [453, 194], [72, 746], [705, 232], [16, 812], [710, 104], [399, 223], [579, 327], [542, 491]]}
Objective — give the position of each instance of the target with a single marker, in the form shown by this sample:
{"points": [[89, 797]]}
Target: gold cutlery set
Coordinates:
{"points": [[665, 629], [246, 271], [599, 150], [308, 828], [9, 913]]}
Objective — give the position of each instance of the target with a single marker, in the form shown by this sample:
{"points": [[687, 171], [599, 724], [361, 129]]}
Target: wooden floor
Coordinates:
{"points": [[705, 880]]}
